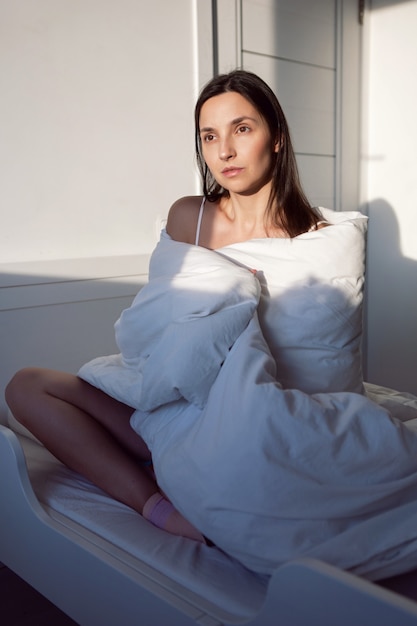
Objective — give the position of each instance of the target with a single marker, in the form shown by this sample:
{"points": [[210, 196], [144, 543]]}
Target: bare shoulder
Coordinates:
{"points": [[183, 218]]}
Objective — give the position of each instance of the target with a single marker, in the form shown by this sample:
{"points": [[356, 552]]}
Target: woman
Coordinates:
{"points": [[247, 165], [251, 191]]}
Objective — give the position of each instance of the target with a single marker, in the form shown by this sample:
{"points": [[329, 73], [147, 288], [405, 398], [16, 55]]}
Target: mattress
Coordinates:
{"points": [[198, 572]]}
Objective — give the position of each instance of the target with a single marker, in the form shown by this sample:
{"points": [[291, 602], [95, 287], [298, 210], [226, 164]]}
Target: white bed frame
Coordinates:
{"points": [[97, 584]]}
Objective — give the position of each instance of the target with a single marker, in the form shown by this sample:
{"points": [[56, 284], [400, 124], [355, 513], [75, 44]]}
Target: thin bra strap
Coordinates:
{"points": [[200, 217], [316, 226]]}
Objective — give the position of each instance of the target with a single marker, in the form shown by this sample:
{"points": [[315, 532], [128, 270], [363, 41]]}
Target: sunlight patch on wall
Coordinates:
{"points": [[392, 118]]}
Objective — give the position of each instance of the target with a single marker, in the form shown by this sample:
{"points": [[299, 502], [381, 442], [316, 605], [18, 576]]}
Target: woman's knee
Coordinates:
{"points": [[22, 387]]}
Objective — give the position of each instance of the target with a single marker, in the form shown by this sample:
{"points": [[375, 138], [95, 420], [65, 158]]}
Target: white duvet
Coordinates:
{"points": [[268, 474]]}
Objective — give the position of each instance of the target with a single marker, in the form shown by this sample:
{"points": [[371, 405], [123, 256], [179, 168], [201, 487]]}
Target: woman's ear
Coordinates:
{"points": [[277, 144]]}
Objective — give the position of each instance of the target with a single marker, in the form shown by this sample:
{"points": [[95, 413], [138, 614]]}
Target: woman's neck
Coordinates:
{"points": [[244, 215], [235, 219]]}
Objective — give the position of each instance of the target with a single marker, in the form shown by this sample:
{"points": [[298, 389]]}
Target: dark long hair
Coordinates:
{"points": [[288, 207]]}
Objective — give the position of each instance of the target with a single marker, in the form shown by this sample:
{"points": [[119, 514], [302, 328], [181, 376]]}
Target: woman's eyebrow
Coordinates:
{"points": [[244, 118], [237, 120]]}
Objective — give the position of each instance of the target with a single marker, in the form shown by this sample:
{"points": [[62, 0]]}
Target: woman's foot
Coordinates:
{"points": [[161, 513]]}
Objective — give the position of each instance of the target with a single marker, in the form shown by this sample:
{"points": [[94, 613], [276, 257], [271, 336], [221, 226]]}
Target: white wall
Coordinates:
{"points": [[96, 142], [390, 161], [96, 131]]}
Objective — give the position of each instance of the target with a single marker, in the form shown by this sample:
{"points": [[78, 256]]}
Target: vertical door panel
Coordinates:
{"points": [[300, 30], [306, 94]]}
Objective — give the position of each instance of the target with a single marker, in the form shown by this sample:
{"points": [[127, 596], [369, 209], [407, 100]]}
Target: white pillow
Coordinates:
{"points": [[310, 310]]}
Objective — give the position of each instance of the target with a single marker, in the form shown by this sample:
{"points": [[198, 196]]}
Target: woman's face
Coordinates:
{"points": [[236, 143]]}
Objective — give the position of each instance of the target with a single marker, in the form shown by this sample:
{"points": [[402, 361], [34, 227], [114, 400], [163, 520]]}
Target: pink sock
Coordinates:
{"points": [[161, 513]]}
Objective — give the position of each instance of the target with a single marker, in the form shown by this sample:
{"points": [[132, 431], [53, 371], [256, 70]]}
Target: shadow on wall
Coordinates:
{"points": [[59, 323], [391, 304]]}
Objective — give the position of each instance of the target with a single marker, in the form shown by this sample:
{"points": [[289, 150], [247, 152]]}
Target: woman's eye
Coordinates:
{"points": [[243, 129], [208, 138]]}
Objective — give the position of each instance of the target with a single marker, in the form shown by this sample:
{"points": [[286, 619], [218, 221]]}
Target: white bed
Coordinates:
{"points": [[103, 564]]}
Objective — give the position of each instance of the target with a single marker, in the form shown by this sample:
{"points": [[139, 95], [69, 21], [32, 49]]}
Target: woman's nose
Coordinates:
{"points": [[227, 150]]}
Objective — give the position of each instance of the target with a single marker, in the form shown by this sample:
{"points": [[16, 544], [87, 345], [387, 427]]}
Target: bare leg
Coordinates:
{"points": [[87, 430]]}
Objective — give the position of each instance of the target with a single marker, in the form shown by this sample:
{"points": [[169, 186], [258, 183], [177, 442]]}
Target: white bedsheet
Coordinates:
{"points": [[268, 474], [190, 567]]}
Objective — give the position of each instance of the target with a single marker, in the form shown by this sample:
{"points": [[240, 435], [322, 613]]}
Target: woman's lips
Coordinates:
{"points": [[229, 172]]}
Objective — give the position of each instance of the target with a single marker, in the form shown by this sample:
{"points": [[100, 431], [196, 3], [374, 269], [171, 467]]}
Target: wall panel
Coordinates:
{"points": [[292, 46], [300, 30], [317, 175], [63, 318], [306, 94]]}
